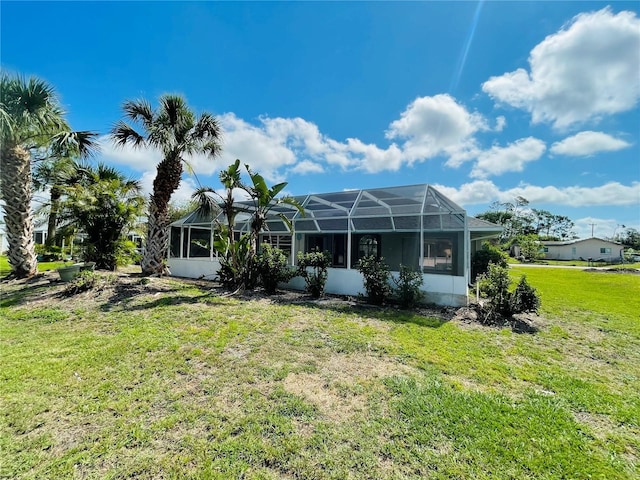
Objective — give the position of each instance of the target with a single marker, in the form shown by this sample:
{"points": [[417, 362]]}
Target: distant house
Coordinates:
{"points": [[587, 248]]}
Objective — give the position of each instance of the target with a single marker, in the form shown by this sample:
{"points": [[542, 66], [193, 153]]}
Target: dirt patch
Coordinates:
{"points": [[477, 315], [340, 387]]}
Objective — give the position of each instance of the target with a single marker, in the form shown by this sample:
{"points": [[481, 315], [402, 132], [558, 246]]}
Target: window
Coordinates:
{"points": [[438, 255], [363, 245], [335, 244], [283, 242], [199, 242], [174, 245], [545, 249], [605, 250]]}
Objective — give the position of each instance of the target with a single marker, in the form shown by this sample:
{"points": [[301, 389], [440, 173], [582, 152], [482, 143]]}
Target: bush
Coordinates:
{"points": [[530, 247], [272, 267], [376, 278], [495, 285], [481, 259], [407, 290], [524, 298], [315, 279], [85, 280]]}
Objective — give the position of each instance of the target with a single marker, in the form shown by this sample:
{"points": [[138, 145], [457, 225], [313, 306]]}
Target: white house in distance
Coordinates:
{"points": [[588, 248], [413, 225]]}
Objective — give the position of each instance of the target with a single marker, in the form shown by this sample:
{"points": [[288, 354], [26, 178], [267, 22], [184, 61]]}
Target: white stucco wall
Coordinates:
{"points": [[589, 248], [439, 289]]}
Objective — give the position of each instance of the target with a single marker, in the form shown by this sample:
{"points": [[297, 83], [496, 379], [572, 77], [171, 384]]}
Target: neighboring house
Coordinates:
{"points": [[583, 249], [39, 236], [411, 225], [40, 230]]}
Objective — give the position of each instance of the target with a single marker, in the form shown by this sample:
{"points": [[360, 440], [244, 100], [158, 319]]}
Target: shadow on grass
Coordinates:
{"points": [[422, 317], [34, 288], [128, 297]]}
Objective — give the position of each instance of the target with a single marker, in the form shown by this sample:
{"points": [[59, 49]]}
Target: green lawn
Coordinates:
{"points": [[5, 268], [169, 380]]}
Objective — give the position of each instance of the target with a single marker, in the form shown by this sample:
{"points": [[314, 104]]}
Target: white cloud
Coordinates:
{"points": [[434, 126], [588, 143], [181, 195], [138, 159], [485, 191], [306, 167], [478, 191], [601, 227], [512, 158], [255, 147], [586, 70]]}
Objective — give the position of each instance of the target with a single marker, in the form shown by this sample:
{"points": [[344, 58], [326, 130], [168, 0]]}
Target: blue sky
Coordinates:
{"points": [[485, 100]]}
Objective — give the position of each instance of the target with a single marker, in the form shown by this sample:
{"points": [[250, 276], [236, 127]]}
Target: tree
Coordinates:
{"points": [[519, 220], [30, 118], [629, 237], [103, 204], [174, 130], [238, 269], [57, 170], [264, 199], [530, 247]]}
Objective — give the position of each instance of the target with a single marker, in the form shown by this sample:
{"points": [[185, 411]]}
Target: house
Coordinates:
{"points": [[587, 248], [412, 225]]}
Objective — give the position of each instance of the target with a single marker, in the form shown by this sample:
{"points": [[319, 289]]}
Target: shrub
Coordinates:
{"points": [[481, 259], [407, 290], [315, 279], [376, 278], [85, 280], [495, 285], [524, 298], [530, 248], [272, 267]]}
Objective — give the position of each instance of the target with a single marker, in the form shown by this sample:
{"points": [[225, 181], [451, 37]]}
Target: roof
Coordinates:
{"points": [[400, 208], [552, 243]]}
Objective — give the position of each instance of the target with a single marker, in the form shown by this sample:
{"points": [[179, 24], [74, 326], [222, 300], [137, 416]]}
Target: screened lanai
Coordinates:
{"points": [[413, 225]]}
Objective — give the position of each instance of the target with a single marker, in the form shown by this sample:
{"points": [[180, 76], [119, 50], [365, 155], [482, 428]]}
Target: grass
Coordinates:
{"points": [[167, 379], [5, 268], [586, 264]]}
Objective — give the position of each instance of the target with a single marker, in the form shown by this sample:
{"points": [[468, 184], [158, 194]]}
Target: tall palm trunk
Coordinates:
{"points": [[166, 182], [52, 225], [16, 193]]}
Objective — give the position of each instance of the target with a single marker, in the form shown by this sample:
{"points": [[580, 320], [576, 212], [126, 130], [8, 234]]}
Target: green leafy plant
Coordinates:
{"points": [[481, 259], [495, 285], [313, 267], [375, 273], [530, 248], [236, 263], [524, 298], [85, 280], [272, 267], [407, 290]]}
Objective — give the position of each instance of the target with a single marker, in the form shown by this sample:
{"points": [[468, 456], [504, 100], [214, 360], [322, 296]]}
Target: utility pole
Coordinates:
{"points": [[592, 225]]}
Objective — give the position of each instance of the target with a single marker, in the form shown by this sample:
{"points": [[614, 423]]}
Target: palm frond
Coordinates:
{"points": [[69, 144], [206, 203], [124, 134], [139, 111]]}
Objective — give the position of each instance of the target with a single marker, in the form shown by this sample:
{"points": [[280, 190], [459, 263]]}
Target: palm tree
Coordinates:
{"points": [[57, 171], [177, 133], [104, 204], [30, 118], [264, 199]]}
